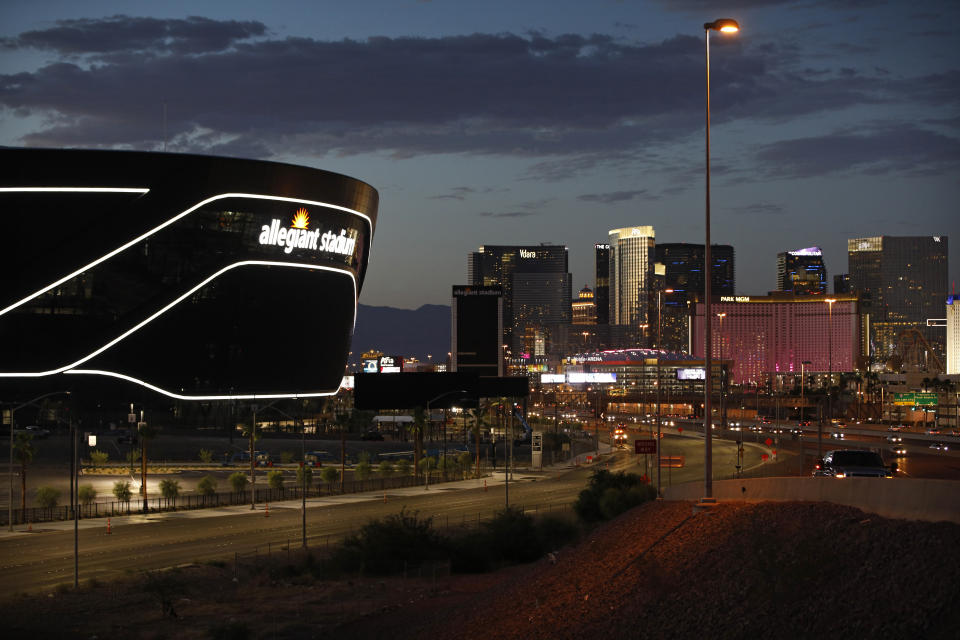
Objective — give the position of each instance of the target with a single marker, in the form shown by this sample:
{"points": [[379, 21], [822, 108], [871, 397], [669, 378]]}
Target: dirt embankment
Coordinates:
{"points": [[770, 570]]}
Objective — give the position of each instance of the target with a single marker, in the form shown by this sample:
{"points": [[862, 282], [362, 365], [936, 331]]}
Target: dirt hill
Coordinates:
{"points": [[768, 570]]}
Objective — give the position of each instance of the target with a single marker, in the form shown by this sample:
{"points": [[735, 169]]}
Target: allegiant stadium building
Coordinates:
{"points": [[199, 278]]}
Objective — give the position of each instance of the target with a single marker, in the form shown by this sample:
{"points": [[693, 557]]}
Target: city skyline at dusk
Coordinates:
{"points": [[505, 124]]}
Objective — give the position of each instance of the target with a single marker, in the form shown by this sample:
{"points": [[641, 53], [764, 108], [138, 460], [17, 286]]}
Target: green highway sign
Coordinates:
{"points": [[913, 399], [904, 399]]}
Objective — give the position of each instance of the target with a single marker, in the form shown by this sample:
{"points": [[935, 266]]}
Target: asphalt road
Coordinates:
{"points": [[38, 561]]}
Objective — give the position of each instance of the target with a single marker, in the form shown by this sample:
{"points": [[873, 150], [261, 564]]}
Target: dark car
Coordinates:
{"points": [[371, 435], [849, 463]]}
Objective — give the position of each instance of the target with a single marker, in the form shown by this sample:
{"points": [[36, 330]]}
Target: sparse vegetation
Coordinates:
{"points": [[329, 474], [207, 486], [403, 467], [275, 479], [308, 481], [170, 489], [238, 481], [99, 458], [205, 455], [86, 494], [47, 497], [385, 468], [610, 494], [122, 491]]}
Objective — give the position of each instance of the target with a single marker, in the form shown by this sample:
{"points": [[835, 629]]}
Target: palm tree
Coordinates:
{"points": [[23, 452]]}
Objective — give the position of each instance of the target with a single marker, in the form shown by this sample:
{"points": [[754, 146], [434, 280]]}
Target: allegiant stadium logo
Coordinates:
{"points": [[299, 236]]}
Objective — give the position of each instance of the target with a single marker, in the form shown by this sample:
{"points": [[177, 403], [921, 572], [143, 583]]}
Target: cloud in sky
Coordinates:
{"points": [[124, 34], [228, 85]]}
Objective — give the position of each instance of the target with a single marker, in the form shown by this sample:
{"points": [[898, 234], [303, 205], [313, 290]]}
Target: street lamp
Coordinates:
{"points": [[429, 402], [802, 380], [723, 421], [724, 25], [660, 347], [829, 302]]}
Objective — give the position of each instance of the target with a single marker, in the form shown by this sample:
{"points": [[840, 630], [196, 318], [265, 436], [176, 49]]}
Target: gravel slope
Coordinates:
{"points": [[770, 570]]}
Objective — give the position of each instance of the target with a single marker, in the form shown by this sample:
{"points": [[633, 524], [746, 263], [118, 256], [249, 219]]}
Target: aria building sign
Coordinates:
{"points": [[179, 274]]}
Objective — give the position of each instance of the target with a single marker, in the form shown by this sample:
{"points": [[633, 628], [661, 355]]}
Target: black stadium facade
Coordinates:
{"points": [[197, 278]]}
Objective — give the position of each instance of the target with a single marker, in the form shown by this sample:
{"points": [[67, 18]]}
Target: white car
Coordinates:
{"points": [[894, 438]]}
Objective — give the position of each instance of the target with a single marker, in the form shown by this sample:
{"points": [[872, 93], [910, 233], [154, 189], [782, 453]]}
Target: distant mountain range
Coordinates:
{"points": [[403, 332]]}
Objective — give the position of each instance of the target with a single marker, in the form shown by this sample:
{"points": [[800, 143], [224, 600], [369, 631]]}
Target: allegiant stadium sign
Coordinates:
{"points": [[299, 236]]}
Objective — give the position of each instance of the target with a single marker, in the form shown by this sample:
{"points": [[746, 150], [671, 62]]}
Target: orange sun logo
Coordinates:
{"points": [[301, 220]]}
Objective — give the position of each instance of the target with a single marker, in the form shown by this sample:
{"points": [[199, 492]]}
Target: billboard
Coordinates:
{"points": [[697, 373], [597, 378]]}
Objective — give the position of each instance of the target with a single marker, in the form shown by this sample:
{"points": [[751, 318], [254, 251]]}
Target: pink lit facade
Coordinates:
{"points": [[767, 335]]}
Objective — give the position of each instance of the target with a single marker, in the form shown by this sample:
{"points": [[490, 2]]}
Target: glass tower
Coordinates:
{"points": [[802, 272], [902, 281], [631, 270], [536, 284]]}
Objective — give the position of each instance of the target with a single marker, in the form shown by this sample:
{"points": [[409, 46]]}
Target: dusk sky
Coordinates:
{"points": [[527, 121]]}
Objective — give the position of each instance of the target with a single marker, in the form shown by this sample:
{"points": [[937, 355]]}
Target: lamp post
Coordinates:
{"points": [[723, 421], [802, 380], [303, 471], [723, 25], [429, 402], [13, 411], [660, 347], [829, 302]]}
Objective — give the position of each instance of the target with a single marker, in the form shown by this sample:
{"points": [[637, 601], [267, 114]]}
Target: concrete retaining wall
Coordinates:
{"points": [[908, 498]]}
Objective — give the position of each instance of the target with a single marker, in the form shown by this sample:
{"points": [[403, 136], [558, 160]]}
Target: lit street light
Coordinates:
{"points": [[724, 25], [660, 347], [829, 302]]}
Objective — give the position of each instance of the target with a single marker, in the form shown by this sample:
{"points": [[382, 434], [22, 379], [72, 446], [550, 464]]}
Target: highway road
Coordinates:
{"points": [[43, 559]]}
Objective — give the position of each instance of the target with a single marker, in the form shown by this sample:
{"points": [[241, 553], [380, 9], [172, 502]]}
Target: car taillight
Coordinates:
{"points": [[817, 467]]}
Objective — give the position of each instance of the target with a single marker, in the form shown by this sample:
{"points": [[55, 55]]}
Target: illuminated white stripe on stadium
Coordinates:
{"points": [[180, 299], [73, 190], [129, 244], [255, 396]]}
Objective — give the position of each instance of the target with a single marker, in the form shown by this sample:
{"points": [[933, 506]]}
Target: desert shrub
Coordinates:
{"points": [[238, 481], [121, 491], [404, 466], [610, 494], [47, 497], [465, 460], [165, 587], [390, 544], [275, 479], [286, 457], [363, 470], [511, 537], [169, 489], [99, 458], [207, 486], [205, 455], [329, 474], [385, 468], [86, 494], [308, 481]]}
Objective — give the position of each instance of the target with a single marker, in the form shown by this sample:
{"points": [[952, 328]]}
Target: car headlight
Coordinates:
{"points": [[840, 474]]}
